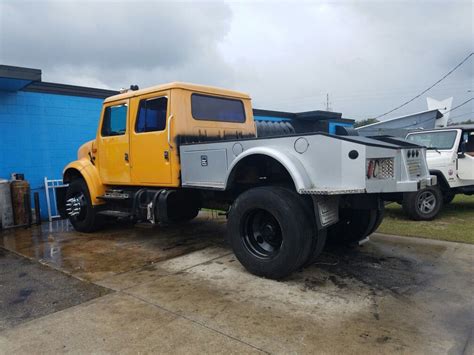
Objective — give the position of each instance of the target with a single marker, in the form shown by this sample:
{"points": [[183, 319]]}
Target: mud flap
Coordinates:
{"points": [[326, 210]]}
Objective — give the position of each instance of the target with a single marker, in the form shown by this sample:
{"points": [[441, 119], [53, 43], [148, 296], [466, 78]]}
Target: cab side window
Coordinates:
{"points": [[115, 121], [152, 115]]}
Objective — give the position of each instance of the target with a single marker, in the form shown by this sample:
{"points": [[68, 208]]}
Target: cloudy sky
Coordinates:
{"points": [[369, 56]]}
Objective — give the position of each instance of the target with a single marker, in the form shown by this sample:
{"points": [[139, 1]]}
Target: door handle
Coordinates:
{"points": [[126, 157], [169, 131]]}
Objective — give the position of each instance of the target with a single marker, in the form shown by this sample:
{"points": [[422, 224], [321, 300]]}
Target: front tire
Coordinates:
{"points": [[423, 205], [448, 197], [82, 215], [270, 231]]}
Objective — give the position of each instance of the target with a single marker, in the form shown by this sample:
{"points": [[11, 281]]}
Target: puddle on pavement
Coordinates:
{"points": [[29, 290], [399, 269], [115, 249]]}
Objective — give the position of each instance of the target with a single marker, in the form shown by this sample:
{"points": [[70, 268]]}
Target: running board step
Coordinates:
{"points": [[112, 213], [114, 195]]}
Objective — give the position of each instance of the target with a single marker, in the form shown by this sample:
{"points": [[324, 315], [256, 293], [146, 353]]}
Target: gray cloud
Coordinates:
{"points": [[369, 56], [112, 40]]}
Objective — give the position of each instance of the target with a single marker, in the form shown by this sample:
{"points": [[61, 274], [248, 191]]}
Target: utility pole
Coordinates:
{"points": [[328, 104]]}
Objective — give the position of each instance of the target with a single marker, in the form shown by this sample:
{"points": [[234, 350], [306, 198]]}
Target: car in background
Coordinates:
{"points": [[450, 156]]}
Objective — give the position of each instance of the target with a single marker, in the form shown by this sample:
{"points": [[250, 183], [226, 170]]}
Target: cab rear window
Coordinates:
{"points": [[213, 108]]}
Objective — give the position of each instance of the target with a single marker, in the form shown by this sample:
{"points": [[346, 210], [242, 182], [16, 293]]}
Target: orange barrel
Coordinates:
{"points": [[20, 191], [6, 211]]}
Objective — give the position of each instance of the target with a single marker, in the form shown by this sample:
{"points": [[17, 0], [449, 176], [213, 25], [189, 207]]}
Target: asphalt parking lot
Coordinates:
{"points": [[141, 289]]}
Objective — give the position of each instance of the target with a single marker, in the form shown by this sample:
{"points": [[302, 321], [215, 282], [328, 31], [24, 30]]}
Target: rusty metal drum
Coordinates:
{"points": [[20, 192]]}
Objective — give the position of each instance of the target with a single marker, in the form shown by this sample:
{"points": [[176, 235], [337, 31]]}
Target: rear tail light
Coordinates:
{"points": [[380, 168]]}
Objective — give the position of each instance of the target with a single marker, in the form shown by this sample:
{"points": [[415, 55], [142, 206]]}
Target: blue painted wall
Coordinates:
{"points": [[40, 134], [332, 126]]}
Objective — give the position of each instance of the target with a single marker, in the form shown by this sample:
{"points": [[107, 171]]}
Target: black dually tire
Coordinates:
{"points": [[270, 231], [354, 225], [317, 246]]}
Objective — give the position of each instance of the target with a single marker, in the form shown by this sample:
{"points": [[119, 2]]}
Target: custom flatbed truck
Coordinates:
{"points": [[163, 153]]}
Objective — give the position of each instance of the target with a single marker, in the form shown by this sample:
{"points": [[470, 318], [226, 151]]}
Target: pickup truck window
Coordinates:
{"points": [[115, 121], [435, 140], [152, 115], [212, 108]]}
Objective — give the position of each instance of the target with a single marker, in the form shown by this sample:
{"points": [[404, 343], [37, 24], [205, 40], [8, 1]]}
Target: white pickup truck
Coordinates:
{"points": [[450, 156]]}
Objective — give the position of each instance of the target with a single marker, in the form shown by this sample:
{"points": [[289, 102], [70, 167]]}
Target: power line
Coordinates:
{"points": [[462, 114], [458, 106], [426, 90]]}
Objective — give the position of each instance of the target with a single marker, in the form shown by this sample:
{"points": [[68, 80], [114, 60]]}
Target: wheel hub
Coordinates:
{"points": [[74, 205], [426, 202], [268, 232], [262, 234]]}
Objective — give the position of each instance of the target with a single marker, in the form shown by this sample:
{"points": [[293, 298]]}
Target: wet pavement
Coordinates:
{"points": [[30, 290], [180, 289]]}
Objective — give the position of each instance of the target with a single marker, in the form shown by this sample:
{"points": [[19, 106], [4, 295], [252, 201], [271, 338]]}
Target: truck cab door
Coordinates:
{"points": [[466, 158], [151, 154], [113, 144]]}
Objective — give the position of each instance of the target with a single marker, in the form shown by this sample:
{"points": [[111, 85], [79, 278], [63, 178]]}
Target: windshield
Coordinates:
{"points": [[434, 140]]}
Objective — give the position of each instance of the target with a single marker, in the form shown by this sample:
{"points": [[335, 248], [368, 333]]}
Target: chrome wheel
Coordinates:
{"points": [[75, 207], [426, 202]]}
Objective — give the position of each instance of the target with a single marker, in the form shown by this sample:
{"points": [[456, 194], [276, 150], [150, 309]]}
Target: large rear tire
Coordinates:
{"points": [[354, 225], [378, 220], [81, 213], [270, 231], [423, 205], [317, 246]]}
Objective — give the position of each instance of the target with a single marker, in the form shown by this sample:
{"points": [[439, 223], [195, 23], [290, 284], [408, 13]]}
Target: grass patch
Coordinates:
{"points": [[455, 223]]}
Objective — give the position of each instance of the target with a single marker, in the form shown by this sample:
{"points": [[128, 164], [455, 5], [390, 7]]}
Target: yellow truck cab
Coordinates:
{"points": [[163, 153], [139, 133]]}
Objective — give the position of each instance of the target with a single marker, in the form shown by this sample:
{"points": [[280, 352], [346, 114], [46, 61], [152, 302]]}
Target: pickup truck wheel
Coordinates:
{"points": [[423, 205], [82, 215], [270, 231], [448, 197], [354, 225]]}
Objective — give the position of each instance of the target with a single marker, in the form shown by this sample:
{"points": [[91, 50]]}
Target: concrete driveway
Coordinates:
{"points": [[180, 289]]}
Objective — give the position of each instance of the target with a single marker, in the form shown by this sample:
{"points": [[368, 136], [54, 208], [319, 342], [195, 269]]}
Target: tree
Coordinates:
{"points": [[365, 122], [469, 121]]}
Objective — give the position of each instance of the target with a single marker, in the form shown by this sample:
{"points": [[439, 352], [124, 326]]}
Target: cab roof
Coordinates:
{"points": [[178, 85], [459, 126]]}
